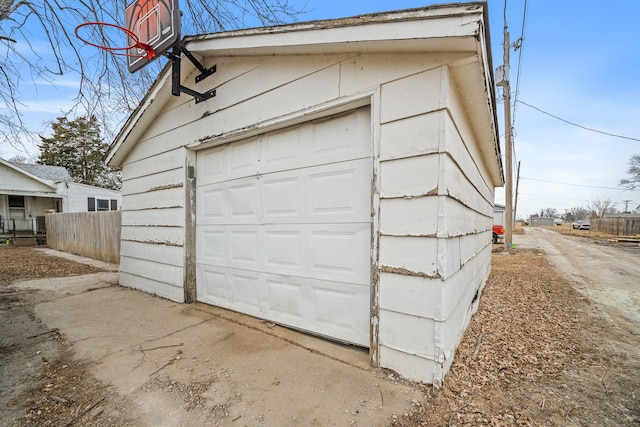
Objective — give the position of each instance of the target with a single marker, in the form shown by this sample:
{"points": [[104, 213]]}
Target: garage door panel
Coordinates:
{"points": [[283, 249], [279, 249], [332, 254], [283, 226], [243, 158], [213, 284], [211, 244], [281, 299], [246, 292], [281, 150], [244, 249], [325, 142], [335, 193], [285, 300], [341, 137], [338, 192], [280, 197], [211, 165], [242, 200], [228, 162], [212, 204], [334, 307]]}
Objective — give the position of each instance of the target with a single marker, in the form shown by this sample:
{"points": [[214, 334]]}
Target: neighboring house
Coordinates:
{"points": [[498, 214], [341, 182], [28, 191], [541, 221]]}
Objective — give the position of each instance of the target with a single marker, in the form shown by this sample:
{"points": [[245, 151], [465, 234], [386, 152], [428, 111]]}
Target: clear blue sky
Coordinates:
{"points": [[580, 62]]}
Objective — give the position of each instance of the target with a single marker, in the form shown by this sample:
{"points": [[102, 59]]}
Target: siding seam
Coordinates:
{"points": [[151, 174], [151, 157], [155, 242], [152, 262], [406, 272]]}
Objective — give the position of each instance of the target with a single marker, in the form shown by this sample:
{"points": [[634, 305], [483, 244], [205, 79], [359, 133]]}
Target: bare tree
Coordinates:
{"points": [[633, 181], [106, 89], [600, 207], [22, 159], [549, 213], [577, 213]]}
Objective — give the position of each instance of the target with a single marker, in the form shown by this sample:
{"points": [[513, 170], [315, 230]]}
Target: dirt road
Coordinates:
{"points": [[604, 273]]}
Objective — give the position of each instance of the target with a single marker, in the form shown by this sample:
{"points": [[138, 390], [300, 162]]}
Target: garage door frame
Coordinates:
{"points": [[370, 98]]}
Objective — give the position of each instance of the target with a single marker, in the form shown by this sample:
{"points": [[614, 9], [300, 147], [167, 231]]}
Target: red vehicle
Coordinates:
{"points": [[498, 233]]}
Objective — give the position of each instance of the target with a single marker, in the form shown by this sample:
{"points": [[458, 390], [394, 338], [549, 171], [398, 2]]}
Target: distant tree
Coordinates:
{"points": [[600, 207], [633, 181], [22, 159], [549, 213], [77, 146], [578, 212]]}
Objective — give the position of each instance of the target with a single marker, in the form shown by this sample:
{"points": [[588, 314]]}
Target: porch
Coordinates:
{"points": [[30, 232]]}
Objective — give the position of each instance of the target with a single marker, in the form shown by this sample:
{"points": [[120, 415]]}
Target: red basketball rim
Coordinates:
{"points": [[150, 52]]}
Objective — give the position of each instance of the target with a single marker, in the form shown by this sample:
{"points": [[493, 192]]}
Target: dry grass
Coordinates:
{"points": [[528, 357]]}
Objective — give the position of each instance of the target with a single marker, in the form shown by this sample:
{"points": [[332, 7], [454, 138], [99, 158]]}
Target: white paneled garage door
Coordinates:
{"points": [[284, 226]]}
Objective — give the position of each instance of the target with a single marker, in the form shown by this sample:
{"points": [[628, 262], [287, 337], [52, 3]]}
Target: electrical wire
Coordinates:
{"points": [[545, 198], [578, 185], [580, 126], [520, 55]]}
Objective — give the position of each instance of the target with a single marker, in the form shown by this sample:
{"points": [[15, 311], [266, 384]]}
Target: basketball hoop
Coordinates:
{"points": [[149, 52], [153, 30]]}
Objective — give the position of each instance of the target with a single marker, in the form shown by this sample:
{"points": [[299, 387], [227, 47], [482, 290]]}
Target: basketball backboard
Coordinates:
{"points": [[154, 22]]}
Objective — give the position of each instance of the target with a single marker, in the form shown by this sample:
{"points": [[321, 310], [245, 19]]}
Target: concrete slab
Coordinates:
{"points": [[200, 365], [82, 260]]}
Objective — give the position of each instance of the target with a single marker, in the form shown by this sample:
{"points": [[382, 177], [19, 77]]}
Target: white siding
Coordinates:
{"points": [[434, 222], [77, 195], [435, 191], [153, 222]]}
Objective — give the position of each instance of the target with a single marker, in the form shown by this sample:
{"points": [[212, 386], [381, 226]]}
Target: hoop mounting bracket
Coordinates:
{"points": [[176, 87]]}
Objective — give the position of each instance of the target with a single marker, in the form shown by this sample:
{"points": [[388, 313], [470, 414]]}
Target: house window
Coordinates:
{"points": [[16, 208], [91, 204], [114, 205], [103, 205]]}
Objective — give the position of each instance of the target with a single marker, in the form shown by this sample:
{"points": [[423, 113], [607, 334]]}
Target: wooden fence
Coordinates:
{"points": [[92, 234], [617, 226]]}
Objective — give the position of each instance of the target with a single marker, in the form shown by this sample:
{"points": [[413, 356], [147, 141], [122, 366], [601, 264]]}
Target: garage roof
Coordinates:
{"points": [[457, 27]]}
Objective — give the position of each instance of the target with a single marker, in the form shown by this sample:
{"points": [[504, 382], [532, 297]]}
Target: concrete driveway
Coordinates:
{"points": [[195, 364]]}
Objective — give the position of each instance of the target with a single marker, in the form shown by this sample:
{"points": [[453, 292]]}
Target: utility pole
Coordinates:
{"points": [[515, 205], [626, 205], [508, 144]]}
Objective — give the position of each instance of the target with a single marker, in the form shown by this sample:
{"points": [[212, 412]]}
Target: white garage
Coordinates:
{"points": [[284, 226], [341, 182]]}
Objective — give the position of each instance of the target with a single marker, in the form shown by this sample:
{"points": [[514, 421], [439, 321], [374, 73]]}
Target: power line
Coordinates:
{"points": [[580, 126], [545, 198], [579, 185], [519, 45]]}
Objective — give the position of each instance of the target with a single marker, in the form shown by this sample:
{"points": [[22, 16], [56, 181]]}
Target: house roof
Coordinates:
{"points": [[47, 175], [456, 27], [52, 173]]}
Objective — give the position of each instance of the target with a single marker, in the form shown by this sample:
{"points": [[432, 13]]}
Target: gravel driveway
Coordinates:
{"points": [[601, 270]]}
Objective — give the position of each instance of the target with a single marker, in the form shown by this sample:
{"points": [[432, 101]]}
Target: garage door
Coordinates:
{"points": [[283, 226]]}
